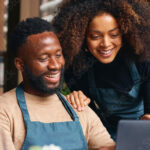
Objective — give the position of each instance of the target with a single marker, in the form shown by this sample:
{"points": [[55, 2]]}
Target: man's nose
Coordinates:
{"points": [[53, 64]]}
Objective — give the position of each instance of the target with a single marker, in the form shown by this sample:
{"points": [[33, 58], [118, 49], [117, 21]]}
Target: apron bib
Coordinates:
{"points": [[113, 105], [67, 135]]}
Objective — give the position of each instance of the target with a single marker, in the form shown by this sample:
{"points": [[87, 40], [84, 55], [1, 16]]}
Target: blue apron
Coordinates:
{"points": [[68, 135], [112, 105]]}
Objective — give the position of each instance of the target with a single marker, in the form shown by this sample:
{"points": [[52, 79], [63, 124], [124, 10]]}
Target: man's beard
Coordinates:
{"points": [[38, 83]]}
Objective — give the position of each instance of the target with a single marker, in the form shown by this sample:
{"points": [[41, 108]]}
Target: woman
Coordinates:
{"points": [[106, 45]]}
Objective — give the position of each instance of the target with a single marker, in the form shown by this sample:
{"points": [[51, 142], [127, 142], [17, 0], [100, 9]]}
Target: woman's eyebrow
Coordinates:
{"points": [[97, 31], [114, 29]]}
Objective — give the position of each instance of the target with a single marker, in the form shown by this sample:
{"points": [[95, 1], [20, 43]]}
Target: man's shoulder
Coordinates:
{"points": [[8, 97], [87, 111], [87, 115]]}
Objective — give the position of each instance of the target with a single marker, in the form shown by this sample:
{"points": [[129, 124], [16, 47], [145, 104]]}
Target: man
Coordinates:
{"points": [[35, 113]]}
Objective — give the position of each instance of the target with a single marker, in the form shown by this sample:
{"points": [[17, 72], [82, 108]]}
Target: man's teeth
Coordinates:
{"points": [[106, 52], [53, 75]]}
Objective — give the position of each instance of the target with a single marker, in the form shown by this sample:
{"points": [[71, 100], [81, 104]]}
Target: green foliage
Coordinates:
{"points": [[65, 90]]}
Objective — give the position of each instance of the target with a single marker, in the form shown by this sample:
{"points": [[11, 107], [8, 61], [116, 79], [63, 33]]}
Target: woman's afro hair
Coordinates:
{"points": [[133, 17]]}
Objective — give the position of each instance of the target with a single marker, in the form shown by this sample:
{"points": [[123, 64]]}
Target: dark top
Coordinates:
{"points": [[113, 75]]}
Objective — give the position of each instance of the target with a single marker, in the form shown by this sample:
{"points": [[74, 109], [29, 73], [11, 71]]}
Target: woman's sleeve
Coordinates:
{"points": [[146, 97], [144, 69]]}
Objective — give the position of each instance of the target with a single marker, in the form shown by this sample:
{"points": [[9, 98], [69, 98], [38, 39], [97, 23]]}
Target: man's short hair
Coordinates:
{"points": [[26, 28]]}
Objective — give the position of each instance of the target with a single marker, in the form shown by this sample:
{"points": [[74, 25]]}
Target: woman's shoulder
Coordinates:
{"points": [[76, 80], [144, 69]]}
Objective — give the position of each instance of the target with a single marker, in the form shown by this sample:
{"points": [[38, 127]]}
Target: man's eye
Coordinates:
{"points": [[43, 59], [58, 55]]}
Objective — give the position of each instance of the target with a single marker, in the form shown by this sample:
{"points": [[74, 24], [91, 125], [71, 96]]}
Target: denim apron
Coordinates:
{"points": [[112, 105], [67, 135]]}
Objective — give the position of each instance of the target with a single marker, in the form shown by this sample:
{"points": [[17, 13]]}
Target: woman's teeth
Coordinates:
{"points": [[106, 52]]}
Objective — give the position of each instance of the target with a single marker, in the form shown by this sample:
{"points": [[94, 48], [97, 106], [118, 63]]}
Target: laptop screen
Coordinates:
{"points": [[133, 135]]}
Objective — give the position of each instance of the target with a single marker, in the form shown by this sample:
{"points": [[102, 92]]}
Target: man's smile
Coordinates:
{"points": [[53, 77]]}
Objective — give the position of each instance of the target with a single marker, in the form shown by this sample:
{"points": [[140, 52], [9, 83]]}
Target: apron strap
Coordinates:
{"points": [[96, 96], [92, 85], [134, 72], [67, 106], [91, 79], [22, 102], [23, 105]]}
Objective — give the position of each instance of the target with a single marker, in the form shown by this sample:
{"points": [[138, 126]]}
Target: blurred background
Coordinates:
{"points": [[11, 12]]}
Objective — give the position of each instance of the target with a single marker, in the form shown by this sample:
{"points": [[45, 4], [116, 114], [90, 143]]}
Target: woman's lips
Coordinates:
{"points": [[105, 53]]}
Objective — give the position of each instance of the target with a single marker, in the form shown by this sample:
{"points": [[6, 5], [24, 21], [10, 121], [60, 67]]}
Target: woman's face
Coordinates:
{"points": [[104, 38]]}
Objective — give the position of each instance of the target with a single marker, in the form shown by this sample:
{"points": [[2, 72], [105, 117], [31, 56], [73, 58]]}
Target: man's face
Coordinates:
{"points": [[43, 62]]}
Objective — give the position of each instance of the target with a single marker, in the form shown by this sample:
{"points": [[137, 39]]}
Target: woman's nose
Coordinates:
{"points": [[106, 41]]}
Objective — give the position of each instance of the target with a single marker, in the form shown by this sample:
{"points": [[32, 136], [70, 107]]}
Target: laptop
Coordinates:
{"points": [[133, 135]]}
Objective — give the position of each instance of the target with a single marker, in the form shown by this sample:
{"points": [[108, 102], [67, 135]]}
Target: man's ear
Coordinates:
{"points": [[19, 63]]}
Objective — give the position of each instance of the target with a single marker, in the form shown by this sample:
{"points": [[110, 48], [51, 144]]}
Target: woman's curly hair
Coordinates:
{"points": [[133, 17]]}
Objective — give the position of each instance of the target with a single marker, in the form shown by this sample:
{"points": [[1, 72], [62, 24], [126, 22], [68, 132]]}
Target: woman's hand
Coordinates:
{"points": [[145, 117], [107, 148], [78, 100]]}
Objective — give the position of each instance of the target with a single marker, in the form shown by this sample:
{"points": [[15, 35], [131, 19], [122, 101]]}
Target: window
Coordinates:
{"points": [[49, 8], [3, 38]]}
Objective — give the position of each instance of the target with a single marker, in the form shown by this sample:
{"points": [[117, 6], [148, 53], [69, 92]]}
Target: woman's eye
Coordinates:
{"points": [[95, 37], [115, 35]]}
